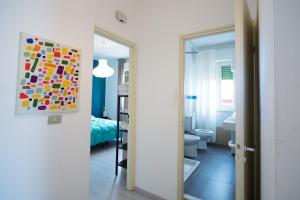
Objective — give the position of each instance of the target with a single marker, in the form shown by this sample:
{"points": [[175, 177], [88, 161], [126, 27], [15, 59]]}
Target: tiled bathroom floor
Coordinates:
{"points": [[216, 177]]}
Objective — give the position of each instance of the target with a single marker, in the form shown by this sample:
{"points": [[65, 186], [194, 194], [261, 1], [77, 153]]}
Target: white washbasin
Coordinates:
{"points": [[229, 123]]}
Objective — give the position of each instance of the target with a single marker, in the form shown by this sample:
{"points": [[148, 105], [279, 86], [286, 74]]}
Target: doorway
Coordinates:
{"points": [[112, 134], [246, 145], [209, 115]]}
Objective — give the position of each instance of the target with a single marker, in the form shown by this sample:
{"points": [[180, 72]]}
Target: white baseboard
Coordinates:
{"points": [[148, 194]]}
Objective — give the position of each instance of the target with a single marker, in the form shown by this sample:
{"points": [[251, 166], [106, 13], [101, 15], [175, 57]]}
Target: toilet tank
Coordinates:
{"points": [[190, 122]]}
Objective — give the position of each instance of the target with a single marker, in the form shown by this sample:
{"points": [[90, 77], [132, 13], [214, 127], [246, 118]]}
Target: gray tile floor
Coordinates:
{"points": [[216, 177], [104, 185]]}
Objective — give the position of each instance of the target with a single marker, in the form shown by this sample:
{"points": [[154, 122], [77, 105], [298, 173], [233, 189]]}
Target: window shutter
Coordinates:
{"points": [[227, 73]]}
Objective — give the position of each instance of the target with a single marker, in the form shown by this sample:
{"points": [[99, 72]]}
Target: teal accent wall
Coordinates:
{"points": [[98, 96]]}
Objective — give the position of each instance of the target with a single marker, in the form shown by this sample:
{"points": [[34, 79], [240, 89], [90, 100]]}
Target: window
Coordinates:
{"points": [[123, 71], [225, 87], [126, 72]]}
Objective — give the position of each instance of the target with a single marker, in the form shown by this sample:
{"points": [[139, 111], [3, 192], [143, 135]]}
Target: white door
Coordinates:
{"points": [[247, 182]]}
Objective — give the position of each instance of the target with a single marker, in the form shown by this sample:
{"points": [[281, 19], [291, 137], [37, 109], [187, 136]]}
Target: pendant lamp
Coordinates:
{"points": [[103, 70]]}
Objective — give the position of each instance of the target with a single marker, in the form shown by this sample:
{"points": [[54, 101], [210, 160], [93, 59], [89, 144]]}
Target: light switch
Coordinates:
{"points": [[54, 119]]}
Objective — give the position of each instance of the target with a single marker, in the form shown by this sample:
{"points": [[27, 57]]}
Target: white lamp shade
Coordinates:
{"points": [[103, 70]]}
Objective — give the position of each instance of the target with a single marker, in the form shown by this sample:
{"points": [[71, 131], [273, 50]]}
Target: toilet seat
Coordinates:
{"points": [[205, 135], [202, 132]]}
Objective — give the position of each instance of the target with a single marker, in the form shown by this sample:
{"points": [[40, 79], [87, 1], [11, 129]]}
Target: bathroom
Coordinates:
{"points": [[209, 117]]}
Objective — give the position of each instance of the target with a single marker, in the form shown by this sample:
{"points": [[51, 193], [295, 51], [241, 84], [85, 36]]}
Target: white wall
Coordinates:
{"points": [[105, 17], [267, 100], [161, 23], [287, 97], [40, 161], [188, 81], [111, 90], [279, 47]]}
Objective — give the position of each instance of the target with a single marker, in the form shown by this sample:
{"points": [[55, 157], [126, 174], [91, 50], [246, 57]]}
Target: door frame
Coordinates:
{"points": [[182, 39], [131, 150]]}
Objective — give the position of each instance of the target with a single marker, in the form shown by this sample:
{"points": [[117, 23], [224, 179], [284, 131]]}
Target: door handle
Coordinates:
{"points": [[250, 149]]}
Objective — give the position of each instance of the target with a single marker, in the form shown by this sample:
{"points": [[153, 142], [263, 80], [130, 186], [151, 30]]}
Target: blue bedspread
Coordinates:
{"points": [[102, 130]]}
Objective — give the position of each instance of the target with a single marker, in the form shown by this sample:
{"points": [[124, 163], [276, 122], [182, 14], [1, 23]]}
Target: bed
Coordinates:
{"points": [[102, 130]]}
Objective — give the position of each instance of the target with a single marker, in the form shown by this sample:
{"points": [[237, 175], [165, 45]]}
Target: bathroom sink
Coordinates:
{"points": [[229, 123]]}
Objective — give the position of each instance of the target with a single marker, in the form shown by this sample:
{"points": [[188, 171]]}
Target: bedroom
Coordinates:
{"points": [[109, 106]]}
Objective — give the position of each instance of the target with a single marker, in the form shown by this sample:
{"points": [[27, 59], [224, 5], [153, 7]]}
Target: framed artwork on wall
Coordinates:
{"points": [[48, 76]]}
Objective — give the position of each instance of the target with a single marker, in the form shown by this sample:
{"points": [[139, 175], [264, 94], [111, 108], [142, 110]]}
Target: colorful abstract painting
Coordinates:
{"points": [[48, 79]]}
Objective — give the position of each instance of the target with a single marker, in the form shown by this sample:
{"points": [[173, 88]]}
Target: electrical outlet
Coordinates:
{"points": [[54, 119]]}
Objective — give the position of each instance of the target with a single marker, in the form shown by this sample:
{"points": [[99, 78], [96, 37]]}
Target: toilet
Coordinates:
{"points": [[190, 145], [205, 135]]}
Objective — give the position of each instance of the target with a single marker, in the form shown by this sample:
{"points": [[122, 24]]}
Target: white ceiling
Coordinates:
{"points": [[105, 48], [210, 40]]}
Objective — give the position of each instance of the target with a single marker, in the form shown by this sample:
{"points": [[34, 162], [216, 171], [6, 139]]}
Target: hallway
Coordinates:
{"points": [[103, 182]]}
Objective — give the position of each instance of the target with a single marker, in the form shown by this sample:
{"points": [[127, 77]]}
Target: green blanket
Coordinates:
{"points": [[102, 130]]}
